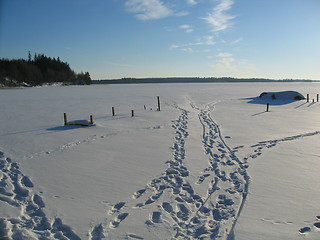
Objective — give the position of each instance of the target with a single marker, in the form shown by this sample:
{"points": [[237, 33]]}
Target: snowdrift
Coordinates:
{"points": [[277, 98], [285, 95], [82, 123]]}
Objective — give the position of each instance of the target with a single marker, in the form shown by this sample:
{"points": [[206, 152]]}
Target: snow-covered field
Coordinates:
{"points": [[212, 164]]}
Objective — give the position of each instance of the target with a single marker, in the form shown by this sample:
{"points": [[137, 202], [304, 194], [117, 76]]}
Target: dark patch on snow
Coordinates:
{"points": [[317, 224], [305, 230]]}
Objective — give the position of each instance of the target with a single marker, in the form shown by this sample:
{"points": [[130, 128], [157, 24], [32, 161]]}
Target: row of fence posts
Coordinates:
{"points": [[144, 107], [113, 112], [308, 100]]}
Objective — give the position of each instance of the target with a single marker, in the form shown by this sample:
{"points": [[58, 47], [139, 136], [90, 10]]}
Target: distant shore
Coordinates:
{"points": [[194, 80], [172, 80]]}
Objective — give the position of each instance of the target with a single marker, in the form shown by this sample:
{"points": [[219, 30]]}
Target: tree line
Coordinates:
{"points": [[39, 70]]}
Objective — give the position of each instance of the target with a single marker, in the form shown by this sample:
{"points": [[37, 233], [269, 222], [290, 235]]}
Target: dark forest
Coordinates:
{"points": [[39, 70]]}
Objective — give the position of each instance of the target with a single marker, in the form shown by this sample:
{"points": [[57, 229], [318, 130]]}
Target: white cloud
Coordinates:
{"points": [[174, 46], [209, 40], [237, 41], [192, 2], [148, 9], [225, 62], [187, 28], [204, 41], [218, 18], [224, 55], [187, 49], [227, 65]]}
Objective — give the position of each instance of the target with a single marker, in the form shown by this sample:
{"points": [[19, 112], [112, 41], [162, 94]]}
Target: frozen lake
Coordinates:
{"points": [[212, 164]]}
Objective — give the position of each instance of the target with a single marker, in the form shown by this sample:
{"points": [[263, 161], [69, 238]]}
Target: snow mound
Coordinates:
{"points": [[83, 123], [285, 95]]}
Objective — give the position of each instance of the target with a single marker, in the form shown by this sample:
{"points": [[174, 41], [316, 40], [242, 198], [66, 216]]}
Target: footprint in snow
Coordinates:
{"points": [[167, 207], [133, 236], [115, 223], [304, 230], [116, 207], [156, 217], [138, 193], [183, 212], [97, 232], [26, 182], [202, 178], [317, 224]]}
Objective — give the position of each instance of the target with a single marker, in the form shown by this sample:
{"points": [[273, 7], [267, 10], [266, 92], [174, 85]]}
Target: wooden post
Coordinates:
{"points": [[91, 119], [268, 107], [313, 100], [65, 118], [318, 97], [132, 113], [113, 111], [158, 103], [308, 97]]}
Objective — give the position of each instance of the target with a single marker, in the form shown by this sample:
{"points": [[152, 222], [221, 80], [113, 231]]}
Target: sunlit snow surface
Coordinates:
{"points": [[212, 164]]}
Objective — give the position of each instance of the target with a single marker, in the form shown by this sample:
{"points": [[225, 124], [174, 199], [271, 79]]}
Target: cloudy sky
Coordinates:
{"points": [[168, 38]]}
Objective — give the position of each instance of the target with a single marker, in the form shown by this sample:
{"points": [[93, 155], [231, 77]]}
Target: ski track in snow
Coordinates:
{"points": [[16, 191], [170, 200]]}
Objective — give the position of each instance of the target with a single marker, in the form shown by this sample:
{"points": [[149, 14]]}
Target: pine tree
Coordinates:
{"points": [[29, 57]]}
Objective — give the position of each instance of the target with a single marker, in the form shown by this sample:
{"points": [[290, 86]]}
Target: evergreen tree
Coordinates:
{"points": [[29, 56]]}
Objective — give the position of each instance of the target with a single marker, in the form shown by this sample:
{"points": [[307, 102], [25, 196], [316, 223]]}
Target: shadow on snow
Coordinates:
{"points": [[272, 102]]}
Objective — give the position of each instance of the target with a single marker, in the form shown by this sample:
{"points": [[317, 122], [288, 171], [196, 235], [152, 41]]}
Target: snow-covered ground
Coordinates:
{"points": [[212, 164]]}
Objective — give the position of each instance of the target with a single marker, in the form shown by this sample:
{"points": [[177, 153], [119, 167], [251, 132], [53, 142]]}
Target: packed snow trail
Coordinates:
{"points": [[191, 215], [229, 186]]}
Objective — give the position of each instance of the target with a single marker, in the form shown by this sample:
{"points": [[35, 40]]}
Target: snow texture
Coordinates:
{"points": [[209, 165]]}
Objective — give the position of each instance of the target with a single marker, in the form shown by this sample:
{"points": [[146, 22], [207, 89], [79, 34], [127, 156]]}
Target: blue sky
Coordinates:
{"points": [[168, 38]]}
